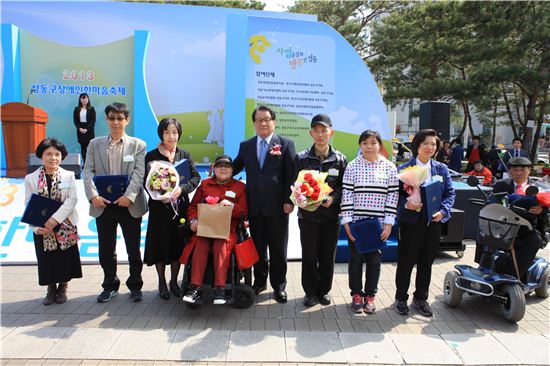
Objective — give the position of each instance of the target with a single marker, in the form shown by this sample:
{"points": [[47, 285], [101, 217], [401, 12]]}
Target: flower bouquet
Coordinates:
{"points": [[413, 177], [310, 190], [161, 181]]}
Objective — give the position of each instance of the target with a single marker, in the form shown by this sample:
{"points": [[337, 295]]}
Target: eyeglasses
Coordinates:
{"points": [[263, 120], [113, 118]]}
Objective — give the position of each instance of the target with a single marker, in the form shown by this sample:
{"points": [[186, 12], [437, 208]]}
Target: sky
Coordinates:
{"points": [[277, 5]]}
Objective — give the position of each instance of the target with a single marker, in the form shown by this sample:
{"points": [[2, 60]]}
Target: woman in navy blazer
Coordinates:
{"points": [[419, 236]]}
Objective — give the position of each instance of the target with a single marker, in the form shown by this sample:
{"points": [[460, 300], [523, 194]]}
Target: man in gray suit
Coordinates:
{"points": [[117, 154]]}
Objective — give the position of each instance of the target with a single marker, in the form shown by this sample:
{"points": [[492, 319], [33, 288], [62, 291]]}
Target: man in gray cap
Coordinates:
{"points": [[319, 229], [527, 242]]}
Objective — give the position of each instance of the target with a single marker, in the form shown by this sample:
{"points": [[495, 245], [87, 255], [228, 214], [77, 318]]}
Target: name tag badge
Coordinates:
{"points": [[437, 178], [128, 158], [230, 194], [333, 172], [381, 176], [63, 185]]}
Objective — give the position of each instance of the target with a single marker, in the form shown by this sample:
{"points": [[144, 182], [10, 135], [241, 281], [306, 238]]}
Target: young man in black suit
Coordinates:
{"points": [[269, 162]]}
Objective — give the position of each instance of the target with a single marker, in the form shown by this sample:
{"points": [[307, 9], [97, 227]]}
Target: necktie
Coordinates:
{"points": [[263, 152], [517, 153], [519, 190]]}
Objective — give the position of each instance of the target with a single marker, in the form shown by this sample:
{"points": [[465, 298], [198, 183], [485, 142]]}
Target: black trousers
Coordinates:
{"points": [[107, 225], [83, 149], [417, 244], [270, 232], [355, 271], [526, 247], [319, 240]]}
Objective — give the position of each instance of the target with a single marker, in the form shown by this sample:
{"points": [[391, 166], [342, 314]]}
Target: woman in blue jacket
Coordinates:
{"points": [[419, 235]]}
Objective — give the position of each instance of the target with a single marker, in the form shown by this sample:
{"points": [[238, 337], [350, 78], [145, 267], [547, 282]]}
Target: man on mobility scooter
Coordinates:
{"points": [[507, 244]]}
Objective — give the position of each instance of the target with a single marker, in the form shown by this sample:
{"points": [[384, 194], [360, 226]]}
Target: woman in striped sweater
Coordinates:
{"points": [[370, 190]]}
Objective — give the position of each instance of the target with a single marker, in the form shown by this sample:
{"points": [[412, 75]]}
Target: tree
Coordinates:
{"points": [[351, 19], [465, 51], [240, 4]]}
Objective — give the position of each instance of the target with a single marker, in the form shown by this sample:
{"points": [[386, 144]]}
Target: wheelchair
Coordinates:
{"points": [[238, 287]]}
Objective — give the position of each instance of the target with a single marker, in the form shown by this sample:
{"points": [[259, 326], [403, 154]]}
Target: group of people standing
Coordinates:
{"points": [[367, 187]]}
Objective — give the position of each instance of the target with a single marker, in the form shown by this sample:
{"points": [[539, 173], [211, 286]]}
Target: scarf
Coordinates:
{"points": [[170, 154], [67, 235]]}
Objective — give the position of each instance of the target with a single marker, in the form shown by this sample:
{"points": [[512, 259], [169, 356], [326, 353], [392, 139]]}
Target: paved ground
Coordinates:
{"points": [[156, 331]]}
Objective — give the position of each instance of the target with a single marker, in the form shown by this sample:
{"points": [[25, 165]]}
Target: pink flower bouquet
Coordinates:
{"points": [[161, 181], [310, 190], [413, 177]]}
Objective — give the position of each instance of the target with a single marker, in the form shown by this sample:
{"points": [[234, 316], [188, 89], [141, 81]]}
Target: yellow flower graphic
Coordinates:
{"points": [[258, 44]]}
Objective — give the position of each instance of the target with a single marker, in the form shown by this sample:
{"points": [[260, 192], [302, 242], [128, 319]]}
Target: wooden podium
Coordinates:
{"points": [[23, 127]]}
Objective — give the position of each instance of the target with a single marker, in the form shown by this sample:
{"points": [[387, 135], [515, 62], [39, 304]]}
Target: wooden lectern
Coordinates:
{"points": [[23, 127]]}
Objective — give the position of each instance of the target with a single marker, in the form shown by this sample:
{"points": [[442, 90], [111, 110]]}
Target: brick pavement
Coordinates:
{"points": [[21, 307]]}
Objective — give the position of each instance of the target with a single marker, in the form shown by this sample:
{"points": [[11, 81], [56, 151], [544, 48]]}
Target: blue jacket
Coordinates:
{"points": [[447, 198], [455, 161]]}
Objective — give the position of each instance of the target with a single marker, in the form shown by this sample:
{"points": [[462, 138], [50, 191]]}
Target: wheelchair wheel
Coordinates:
{"points": [[514, 307], [542, 291], [451, 294], [243, 296]]}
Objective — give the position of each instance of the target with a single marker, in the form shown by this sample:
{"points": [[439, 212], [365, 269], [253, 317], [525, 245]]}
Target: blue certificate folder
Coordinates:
{"points": [[111, 187], [431, 197], [39, 210], [367, 235], [183, 169]]}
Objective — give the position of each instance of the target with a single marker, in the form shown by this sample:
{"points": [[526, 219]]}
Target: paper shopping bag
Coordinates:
{"points": [[214, 221]]}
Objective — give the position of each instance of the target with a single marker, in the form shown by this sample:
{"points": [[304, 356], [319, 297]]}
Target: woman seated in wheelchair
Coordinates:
{"points": [[224, 190]]}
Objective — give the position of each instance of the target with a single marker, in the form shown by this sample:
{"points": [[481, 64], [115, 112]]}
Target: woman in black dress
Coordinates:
{"points": [[163, 243], [84, 121], [56, 243]]}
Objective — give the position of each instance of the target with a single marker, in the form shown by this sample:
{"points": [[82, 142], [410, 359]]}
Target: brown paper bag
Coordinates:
{"points": [[214, 221]]}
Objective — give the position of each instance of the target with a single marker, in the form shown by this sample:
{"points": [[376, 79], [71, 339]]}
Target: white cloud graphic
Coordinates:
{"points": [[214, 48]]}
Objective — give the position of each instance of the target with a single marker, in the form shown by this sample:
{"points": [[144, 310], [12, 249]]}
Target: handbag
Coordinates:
{"points": [[367, 235], [245, 250]]}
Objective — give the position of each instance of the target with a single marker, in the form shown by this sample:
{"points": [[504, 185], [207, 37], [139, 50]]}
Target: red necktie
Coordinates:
{"points": [[519, 190]]}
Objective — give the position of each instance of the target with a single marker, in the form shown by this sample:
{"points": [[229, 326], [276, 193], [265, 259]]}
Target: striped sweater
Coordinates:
{"points": [[370, 189]]}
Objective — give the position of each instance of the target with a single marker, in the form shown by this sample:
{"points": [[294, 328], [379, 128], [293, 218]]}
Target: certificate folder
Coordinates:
{"points": [[111, 187], [183, 169], [39, 210], [431, 197], [367, 235]]}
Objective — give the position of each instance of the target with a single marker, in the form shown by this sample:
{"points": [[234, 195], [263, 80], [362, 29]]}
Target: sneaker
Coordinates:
{"points": [[401, 307], [422, 307], [192, 295], [369, 306], [136, 295], [105, 296], [219, 296], [357, 303]]}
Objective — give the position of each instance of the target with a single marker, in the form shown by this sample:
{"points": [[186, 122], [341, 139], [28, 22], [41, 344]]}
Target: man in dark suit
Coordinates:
{"points": [[269, 162], [527, 242], [117, 154]]}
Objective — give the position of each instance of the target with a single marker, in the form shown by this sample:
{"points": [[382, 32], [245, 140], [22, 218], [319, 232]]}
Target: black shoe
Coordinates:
{"points": [[281, 297], [175, 289], [219, 296], [401, 307], [422, 307], [259, 288], [105, 296], [136, 295], [163, 291], [324, 299], [310, 300], [192, 295]]}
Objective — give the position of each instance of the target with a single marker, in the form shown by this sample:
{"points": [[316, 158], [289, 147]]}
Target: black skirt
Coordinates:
{"points": [[164, 241], [58, 265]]}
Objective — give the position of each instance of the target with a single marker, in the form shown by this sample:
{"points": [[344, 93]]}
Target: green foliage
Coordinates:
{"points": [[240, 4], [349, 18]]}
